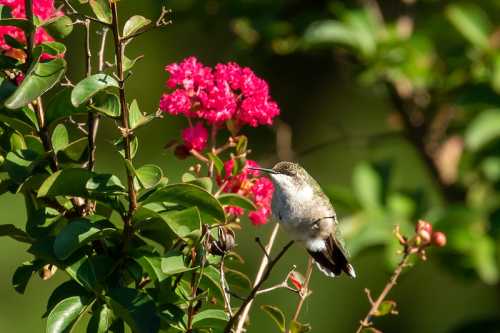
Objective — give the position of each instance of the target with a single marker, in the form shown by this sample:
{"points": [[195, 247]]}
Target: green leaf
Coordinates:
{"points": [[276, 315], [134, 24], [183, 223], [210, 319], [483, 129], [40, 78], [134, 145], [218, 164], [88, 87], [13, 232], [188, 195], [173, 263], [90, 272], [237, 280], [129, 63], [296, 327], [151, 264], [64, 290], [77, 150], [368, 186], [101, 320], [137, 309], [152, 226], [60, 106], [149, 175], [385, 308], [327, 32], [79, 182], [79, 233], [24, 24], [233, 199], [23, 274], [472, 22], [60, 138], [107, 104], [65, 314], [483, 258], [101, 10], [59, 27], [136, 118]]}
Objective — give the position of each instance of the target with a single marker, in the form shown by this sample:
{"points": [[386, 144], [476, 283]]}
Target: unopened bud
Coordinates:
{"points": [[181, 152], [423, 225], [425, 236], [439, 239]]}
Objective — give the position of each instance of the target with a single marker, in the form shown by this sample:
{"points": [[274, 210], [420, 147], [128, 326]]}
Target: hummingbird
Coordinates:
{"points": [[307, 215]]}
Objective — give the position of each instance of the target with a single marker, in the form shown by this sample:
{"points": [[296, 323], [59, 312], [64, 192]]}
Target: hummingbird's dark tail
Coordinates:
{"points": [[332, 260]]}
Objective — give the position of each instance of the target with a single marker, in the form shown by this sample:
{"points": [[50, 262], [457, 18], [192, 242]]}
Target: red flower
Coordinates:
{"points": [[195, 137]]}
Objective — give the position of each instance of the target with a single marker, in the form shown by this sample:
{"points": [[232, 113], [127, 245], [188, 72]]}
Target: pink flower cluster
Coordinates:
{"points": [[228, 92], [43, 9], [248, 183]]}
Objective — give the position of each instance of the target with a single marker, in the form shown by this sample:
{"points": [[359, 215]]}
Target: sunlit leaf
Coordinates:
{"points": [[134, 24], [483, 129], [88, 87], [471, 21], [101, 10], [64, 315]]}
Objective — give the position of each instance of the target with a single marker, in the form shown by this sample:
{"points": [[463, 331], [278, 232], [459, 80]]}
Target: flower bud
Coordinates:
{"points": [[182, 152], [438, 239], [425, 236], [423, 225]]}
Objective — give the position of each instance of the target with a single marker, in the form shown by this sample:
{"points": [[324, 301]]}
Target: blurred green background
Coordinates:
{"points": [[333, 67]]}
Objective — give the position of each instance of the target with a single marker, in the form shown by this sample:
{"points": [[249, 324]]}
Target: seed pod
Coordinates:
{"points": [[439, 239], [224, 244]]}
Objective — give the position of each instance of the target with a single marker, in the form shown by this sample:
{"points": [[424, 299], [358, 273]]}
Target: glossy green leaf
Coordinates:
{"points": [[77, 150], [64, 290], [134, 24], [233, 199], [40, 78], [151, 264], [483, 129], [149, 175], [136, 117], [137, 309], [472, 22], [107, 104], [101, 321], [173, 263], [218, 164], [210, 319], [152, 226], [60, 138], [183, 222], [205, 183], [64, 315], [77, 234], [276, 315], [188, 195], [101, 10], [130, 63], [90, 271], [59, 27], [13, 232], [88, 87], [79, 182]]}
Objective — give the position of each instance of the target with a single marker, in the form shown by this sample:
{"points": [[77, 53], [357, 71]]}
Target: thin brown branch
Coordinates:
{"points": [[282, 285], [253, 293], [225, 288], [305, 292], [263, 264], [366, 322], [119, 53]]}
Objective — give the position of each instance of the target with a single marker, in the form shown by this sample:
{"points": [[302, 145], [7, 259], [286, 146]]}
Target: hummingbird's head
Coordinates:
{"points": [[288, 176]]}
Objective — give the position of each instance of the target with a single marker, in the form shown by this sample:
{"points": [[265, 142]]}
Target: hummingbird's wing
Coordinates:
{"points": [[332, 260]]}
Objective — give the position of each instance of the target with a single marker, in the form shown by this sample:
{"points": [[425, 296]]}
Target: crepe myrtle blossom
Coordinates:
{"points": [[195, 137], [250, 184], [227, 92], [43, 9]]}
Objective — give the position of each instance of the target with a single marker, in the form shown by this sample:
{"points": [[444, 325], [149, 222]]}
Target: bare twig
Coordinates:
{"points": [[263, 264], [160, 22], [225, 288], [283, 284], [253, 293], [305, 292]]}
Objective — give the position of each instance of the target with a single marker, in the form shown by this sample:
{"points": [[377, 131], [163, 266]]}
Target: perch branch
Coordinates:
{"points": [[255, 289]]}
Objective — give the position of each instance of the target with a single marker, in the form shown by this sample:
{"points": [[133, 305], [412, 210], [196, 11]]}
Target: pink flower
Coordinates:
{"points": [[43, 9], [248, 183], [190, 74], [176, 103], [195, 137], [229, 92], [234, 210]]}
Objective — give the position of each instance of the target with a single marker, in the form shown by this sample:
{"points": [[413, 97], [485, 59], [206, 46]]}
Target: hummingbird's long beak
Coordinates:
{"points": [[263, 170]]}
